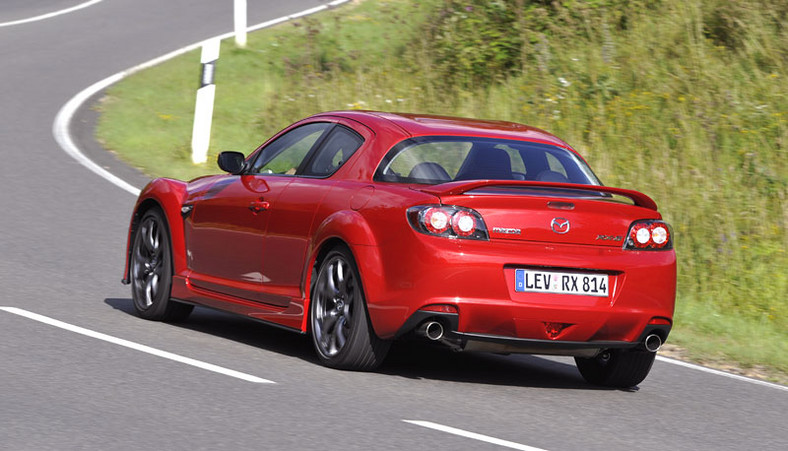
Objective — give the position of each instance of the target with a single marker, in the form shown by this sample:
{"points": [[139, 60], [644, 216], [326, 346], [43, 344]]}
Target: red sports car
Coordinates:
{"points": [[363, 227]]}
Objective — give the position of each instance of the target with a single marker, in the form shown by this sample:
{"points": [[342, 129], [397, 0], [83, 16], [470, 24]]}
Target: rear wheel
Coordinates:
{"points": [[620, 368], [151, 271], [341, 331]]}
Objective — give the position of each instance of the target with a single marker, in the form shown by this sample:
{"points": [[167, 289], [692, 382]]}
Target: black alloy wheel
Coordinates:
{"points": [[341, 331], [151, 271]]}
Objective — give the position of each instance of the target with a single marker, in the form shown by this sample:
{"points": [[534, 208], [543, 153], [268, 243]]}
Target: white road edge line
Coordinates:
{"points": [[472, 435], [722, 373], [136, 346], [61, 126], [60, 130], [50, 15]]}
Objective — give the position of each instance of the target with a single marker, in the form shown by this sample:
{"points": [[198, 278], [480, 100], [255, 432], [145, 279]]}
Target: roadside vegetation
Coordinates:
{"points": [[686, 101]]}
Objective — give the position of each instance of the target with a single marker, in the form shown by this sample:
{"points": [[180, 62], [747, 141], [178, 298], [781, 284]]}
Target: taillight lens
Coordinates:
{"points": [[448, 221], [649, 235], [436, 220]]}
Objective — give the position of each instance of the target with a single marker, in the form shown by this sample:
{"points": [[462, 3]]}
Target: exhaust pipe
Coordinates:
{"points": [[433, 330], [652, 343]]}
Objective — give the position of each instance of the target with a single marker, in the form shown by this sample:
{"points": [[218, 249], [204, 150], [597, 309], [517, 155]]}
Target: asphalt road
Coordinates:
{"points": [[64, 385]]}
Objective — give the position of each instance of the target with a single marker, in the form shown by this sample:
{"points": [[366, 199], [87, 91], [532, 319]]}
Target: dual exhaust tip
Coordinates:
{"points": [[434, 331]]}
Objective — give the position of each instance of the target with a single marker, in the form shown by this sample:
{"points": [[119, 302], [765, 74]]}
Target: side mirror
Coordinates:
{"points": [[232, 162]]}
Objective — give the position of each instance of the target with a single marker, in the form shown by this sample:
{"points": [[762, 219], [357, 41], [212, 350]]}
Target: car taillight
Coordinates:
{"points": [[649, 235], [436, 220], [448, 221]]}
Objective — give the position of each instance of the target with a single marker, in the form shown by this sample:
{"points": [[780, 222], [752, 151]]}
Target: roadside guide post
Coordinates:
{"points": [[203, 109], [239, 20]]}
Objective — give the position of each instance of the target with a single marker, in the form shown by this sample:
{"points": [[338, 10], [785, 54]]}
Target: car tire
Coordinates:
{"points": [[618, 368], [151, 271], [341, 331]]}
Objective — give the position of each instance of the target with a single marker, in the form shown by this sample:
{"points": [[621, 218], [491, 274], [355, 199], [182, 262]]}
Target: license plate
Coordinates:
{"points": [[543, 281]]}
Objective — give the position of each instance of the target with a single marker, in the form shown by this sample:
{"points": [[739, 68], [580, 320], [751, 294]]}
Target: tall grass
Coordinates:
{"points": [[684, 100]]}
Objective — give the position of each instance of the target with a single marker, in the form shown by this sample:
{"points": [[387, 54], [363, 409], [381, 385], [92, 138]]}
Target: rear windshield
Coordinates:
{"points": [[439, 159]]}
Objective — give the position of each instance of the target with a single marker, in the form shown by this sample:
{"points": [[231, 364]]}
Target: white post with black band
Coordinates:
{"points": [[203, 109]]}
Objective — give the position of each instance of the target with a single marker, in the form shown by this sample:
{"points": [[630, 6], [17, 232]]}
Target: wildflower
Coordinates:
{"points": [[564, 82]]}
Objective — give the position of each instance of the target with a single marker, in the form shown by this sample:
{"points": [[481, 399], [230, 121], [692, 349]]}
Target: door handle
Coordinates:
{"points": [[258, 206]]}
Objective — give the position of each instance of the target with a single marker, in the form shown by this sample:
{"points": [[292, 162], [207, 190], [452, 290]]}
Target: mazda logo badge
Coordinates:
{"points": [[560, 225]]}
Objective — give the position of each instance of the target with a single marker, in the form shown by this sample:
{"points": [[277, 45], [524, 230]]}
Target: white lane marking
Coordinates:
{"points": [[50, 15], [136, 346], [60, 128], [473, 435], [721, 373]]}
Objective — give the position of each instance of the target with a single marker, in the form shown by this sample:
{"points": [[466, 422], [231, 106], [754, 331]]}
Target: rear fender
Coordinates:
{"points": [[351, 229], [168, 195]]}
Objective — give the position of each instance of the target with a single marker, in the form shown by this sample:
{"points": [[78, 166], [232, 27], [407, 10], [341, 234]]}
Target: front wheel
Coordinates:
{"points": [[341, 331], [151, 271], [619, 368]]}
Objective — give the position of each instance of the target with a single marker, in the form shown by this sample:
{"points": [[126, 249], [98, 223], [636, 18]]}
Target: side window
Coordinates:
{"points": [[340, 144], [286, 153]]}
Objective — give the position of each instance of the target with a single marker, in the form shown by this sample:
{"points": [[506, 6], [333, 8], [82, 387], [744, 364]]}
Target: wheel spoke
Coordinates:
{"points": [[153, 239], [339, 333], [329, 323], [340, 275], [149, 292], [330, 282], [350, 295]]}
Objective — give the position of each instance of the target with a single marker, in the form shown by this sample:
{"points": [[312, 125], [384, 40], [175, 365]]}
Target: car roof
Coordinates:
{"points": [[426, 125]]}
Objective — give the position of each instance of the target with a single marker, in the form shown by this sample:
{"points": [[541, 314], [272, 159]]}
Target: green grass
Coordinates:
{"points": [[685, 101]]}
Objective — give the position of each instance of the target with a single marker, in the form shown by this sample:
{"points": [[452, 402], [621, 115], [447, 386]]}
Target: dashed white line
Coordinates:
{"points": [[50, 15], [136, 346], [472, 435]]}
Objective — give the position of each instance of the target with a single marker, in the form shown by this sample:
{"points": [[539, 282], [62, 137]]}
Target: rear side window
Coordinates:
{"points": [[338, 147], [437, 159]]}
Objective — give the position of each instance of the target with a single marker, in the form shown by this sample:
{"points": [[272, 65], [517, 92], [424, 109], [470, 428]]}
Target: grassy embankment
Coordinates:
{"points": [[684, 100]]}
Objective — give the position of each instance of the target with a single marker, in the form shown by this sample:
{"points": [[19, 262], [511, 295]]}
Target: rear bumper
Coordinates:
{"points": [[478, 279], [477, 342]]}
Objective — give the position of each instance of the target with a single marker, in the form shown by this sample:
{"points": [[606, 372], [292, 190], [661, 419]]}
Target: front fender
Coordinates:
{"points": [[168, 195]]}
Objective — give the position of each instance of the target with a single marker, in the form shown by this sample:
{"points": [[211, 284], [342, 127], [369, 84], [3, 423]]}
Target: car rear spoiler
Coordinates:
{"points": [[461, 187]]}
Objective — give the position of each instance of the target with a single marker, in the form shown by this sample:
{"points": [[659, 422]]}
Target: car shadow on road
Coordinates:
{"points": [[413, 359], [237, 328]]}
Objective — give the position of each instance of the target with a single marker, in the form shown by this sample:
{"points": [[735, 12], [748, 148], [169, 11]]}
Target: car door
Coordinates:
{"points": [[292, 219], [228, 220]]}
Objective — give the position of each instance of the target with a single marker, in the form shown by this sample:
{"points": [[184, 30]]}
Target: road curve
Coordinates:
{"points": [[75, 368]]}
